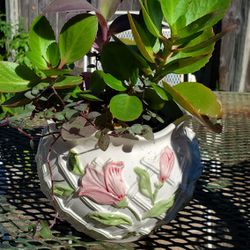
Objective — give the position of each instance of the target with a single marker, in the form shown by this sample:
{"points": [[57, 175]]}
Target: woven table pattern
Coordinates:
{"points": [[218, 216]]}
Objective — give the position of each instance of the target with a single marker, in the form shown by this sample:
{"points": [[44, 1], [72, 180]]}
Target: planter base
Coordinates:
{"points": [[117, 195]]}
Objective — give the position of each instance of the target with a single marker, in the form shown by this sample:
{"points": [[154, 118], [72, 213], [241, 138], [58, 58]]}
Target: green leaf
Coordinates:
{"points": [[147, 133], [74, 163], [53, 54], [41, 36], [198, 100], [125, 107], [136, 129], [103, 141], [173, 10], [63, 190], [196, 26], [181, 13], [160, 207], [113, 82], [45, 231], [149, 22], [160, 92], [154, 101], [188, 61], [64, 82], [90, 97], [154, 10], [97, 84], [99, 80], [17, 100], [15, 78], [180, 66], [142, 42], [203, 44], [111, 61], [201, 98], [144, 182], [108, 8], [56, 72], [141, 63], [111, 219], [76, 128], [76, 37]]}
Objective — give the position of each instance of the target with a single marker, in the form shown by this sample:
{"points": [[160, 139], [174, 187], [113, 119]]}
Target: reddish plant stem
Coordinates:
{"points": [[7, 122]]}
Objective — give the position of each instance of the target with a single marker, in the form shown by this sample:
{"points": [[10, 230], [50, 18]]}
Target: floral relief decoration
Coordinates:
{"points": [[105, 186]]}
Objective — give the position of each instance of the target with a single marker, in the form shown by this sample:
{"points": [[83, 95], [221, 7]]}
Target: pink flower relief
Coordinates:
{"points": [[166, 163], [104, 186]]}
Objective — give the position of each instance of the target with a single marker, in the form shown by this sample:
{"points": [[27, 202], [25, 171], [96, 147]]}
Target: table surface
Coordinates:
{"points": [[218, 216]]}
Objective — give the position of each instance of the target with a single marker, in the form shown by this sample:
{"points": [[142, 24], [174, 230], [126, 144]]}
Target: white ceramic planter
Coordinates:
{"points": [[116, 195]]}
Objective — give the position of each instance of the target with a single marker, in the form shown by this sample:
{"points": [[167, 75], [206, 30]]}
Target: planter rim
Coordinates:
{"points": [[157, 135]]}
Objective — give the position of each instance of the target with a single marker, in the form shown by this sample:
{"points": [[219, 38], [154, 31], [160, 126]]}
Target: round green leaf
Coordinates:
{"points": [[125, 107], [15, 77], [77, 37]]}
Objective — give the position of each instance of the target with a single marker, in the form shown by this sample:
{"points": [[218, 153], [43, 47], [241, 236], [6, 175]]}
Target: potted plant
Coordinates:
{"points": [[116, 160]]}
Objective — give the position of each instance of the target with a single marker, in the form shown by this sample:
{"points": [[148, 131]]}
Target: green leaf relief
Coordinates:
{"points": [[160, 207], [157, 189], [63, 190], [75, 164], [111, 219], [144, 182], [122, 204]]}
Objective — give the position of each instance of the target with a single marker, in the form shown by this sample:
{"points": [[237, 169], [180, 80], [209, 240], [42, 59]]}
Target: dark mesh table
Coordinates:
{"points": [[218, 216]]}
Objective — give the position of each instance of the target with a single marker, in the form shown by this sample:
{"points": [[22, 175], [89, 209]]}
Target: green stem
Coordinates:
{"points": [[157, 189]]}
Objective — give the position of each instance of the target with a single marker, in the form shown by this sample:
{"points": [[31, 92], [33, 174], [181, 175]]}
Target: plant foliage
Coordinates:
{"points": [[124, 91]]}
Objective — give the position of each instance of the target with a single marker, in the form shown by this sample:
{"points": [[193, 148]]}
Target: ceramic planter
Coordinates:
{"points": [[125, 192]]}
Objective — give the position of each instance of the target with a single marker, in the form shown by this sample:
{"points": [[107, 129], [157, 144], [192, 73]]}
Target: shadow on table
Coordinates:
{"points": [[216, 217]]}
